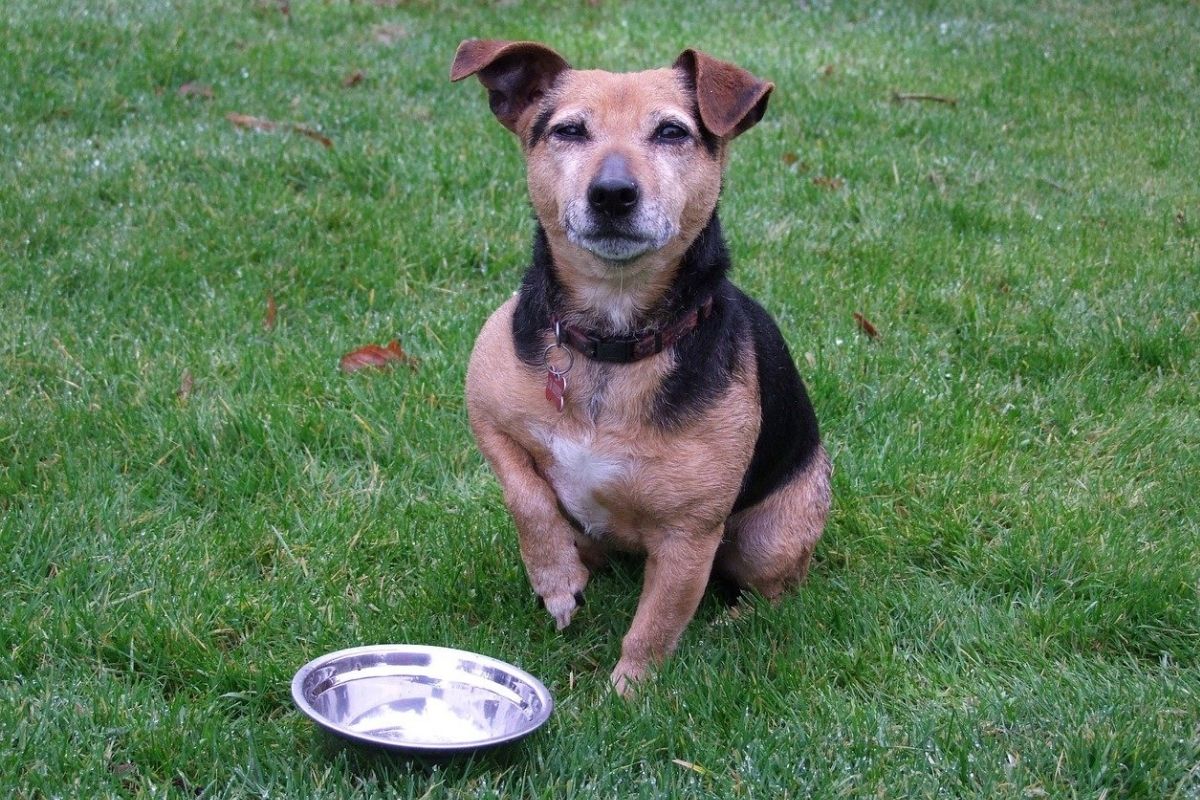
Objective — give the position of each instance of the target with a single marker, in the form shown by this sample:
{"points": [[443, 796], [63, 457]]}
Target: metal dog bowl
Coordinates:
{"points": [[421, 699]]}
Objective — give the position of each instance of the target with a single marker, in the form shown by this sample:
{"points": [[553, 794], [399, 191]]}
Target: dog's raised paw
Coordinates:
{"points": [[562, 607], [560, 591]]}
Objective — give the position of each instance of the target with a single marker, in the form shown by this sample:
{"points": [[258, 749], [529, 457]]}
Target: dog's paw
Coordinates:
{"points": [[562, 607], [561, 598], [626, 677]]}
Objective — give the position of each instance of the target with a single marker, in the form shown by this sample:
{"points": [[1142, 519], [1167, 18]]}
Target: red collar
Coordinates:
{"points": [[626, 351]]}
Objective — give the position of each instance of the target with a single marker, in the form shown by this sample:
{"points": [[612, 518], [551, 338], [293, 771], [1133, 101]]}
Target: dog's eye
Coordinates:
{"points": [[670, 132], [570, 130]]}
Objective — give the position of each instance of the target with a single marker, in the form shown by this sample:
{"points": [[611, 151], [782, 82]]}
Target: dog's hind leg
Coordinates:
{"points": [[768, 546]]}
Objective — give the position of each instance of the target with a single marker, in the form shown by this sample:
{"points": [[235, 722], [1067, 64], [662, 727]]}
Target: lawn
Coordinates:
{"points": [[195, 500]]}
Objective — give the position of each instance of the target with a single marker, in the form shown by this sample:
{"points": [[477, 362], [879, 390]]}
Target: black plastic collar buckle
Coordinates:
{"points": [[612, 350]]}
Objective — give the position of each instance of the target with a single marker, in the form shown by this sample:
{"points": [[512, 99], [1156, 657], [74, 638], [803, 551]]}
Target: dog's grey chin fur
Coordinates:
{"points": [[643, 233], [615, 250]]}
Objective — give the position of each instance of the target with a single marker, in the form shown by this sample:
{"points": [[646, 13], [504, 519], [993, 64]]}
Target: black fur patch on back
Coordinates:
{"points": [[789, 435]]}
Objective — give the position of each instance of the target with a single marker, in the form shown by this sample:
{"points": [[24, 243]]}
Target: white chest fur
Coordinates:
{"points": [[579, 473]]}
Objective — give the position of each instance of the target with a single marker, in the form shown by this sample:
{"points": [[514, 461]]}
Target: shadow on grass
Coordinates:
{"points": [[368, 765]]}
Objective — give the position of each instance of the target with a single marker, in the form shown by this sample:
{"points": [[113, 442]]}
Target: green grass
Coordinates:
{"points": [[1005, 603]]}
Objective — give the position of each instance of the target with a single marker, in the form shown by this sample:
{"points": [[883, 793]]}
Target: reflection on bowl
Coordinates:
{"points": [[420, 698]]}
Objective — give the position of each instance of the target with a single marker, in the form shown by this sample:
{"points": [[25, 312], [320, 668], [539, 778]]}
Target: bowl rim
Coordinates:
{"points": [[301, 702]]}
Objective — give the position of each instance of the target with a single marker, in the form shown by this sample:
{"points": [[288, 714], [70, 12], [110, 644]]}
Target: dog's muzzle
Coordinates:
{"points": [[613, 221]]}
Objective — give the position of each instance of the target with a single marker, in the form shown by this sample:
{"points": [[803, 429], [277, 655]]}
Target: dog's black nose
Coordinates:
{"points": [[613, 192]]}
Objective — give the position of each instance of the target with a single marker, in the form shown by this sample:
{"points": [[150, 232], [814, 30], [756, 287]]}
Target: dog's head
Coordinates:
{"points": [[621, 166]]}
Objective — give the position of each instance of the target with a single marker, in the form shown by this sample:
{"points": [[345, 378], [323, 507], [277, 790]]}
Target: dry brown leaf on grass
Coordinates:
{"points": [[193, 89], [186, 384], [353, 79], [865, 326], [316, 136], [372, 355], [269, 318], [262, 125], [793, 162], [251, 123]]}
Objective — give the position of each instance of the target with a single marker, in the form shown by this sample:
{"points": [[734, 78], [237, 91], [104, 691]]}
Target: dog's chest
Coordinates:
{"points": [[593, 453], [586, 475]]}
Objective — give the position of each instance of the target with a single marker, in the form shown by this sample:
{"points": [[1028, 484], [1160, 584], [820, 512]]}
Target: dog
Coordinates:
{"points": [[629, 396]]}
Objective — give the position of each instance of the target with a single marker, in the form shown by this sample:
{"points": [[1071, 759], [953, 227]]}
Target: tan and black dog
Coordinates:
{"points": [[630, 396]]}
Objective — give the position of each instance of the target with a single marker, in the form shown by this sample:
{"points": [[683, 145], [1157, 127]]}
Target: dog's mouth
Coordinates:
{"points": [[617, 241], [621, 242], [611, 245]]}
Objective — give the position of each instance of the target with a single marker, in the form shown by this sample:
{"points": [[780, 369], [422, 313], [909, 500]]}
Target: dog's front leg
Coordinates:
{"points": [[677, 572], [547, 541]]}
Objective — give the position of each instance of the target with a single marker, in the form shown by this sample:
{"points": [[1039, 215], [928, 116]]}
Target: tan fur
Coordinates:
{"points": [[632, 484], [755, 554], [621, 111], [668, 501]]}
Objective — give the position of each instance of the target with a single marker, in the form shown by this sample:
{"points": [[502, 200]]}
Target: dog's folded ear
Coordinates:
{"points": [[516, 74], [731, 100]]}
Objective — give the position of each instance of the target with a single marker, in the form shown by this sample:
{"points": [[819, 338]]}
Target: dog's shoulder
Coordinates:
{"points": [[494, 340], [493, 367]]}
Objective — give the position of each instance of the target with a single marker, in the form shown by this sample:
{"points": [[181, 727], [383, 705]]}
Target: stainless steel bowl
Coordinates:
{"points": [[421, 699]]}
